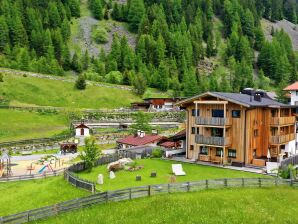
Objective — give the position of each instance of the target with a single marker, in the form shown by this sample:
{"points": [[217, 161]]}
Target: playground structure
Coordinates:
{"points": [[5, 165], [48, 166]]}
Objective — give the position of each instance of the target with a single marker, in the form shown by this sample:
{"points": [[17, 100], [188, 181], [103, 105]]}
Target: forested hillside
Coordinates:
{"points": [[173, 40]]}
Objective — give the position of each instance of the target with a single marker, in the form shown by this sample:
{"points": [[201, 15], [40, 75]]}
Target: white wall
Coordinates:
{"points": [[294, 97], [290, 147], [86, 132]]}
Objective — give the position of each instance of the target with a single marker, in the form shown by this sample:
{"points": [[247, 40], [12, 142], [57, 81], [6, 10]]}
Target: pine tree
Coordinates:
{"points": [[4, 33], [97, 9], [190, 86], [135, 14], [75, 64], [139, 85], [80, 83], [85, 60]]}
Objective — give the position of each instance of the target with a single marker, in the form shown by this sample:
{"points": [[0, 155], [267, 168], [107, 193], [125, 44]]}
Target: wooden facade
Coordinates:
{"points": [[223, 131]]}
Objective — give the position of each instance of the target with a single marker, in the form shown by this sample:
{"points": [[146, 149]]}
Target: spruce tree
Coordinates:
{"points": [[80, 83], [135, 14]]}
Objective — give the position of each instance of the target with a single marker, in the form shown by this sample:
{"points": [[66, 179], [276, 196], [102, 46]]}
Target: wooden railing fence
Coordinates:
{"points": [[140, 192], [293, 160], [32, 176]]}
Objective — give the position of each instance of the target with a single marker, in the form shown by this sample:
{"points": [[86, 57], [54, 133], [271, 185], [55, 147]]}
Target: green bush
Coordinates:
{"points": [[1, 77], [114, 77], [100, 35], [287, 172], [157, 153]]}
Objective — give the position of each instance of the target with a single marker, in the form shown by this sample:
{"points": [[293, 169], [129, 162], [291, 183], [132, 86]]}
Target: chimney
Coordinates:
{"points": [[142, 134], [258, 97]]}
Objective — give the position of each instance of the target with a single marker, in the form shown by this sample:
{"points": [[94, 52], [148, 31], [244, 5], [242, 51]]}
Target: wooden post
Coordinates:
{"points": [[149, 190], [107, 196], [226, 182], [129, 193], [188, 186], [206, 184], [169, 188], [243, 182], [260, 182]]}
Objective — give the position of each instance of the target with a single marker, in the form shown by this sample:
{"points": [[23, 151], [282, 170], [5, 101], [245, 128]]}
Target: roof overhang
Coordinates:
{"points": [[222, 100]]}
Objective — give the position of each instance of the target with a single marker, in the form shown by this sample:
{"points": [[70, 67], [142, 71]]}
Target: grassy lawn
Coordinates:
{"points": [[43, 92], [18, 125], [163, 168], [233, 206], [25, 195]]}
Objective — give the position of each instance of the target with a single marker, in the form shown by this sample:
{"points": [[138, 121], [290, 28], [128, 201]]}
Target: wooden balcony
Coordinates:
{"points": [[281, 139], [283, 120], [213, 121], [210, 140]]}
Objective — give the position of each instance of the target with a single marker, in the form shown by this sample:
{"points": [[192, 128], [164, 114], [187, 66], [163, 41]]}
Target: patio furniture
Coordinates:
{"points": [[178, 170]]}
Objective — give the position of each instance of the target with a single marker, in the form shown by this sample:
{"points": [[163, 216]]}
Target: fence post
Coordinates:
{"points": [[169, 188], [291, 182], [243, 183], [107, 196], [28, 217], [129, 193], [206, 184], [260, 182], [149, 190], [226, 182], [276, 182], [188, 186]]}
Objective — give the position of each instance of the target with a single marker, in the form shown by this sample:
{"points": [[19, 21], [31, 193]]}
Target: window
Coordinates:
{"points": [[232, 153], [256, 132], [193, 112], [219, 152], [191, 147], [296, 93], [193, 130], [217, 132], [217, 113], [203, 150], [236, 113]]}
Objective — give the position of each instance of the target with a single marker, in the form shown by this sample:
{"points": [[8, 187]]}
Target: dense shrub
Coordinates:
{"points": [[157, 153], [100, 35]]}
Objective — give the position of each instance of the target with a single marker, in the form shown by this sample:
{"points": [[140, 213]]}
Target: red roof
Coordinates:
{"points": [[294, 86], [137, 141], [168, 144]]}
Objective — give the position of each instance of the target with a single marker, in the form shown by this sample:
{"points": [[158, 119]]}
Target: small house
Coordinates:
{"points": [[82, 130], [140, 139], [157, 104]]}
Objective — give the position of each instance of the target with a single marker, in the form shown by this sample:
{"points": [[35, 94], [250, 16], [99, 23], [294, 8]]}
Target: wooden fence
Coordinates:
{"points": [[32, 176], [71, 176], [140, 192], [293, 160]]}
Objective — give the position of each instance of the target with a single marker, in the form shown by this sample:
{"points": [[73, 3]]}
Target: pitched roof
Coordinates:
{"points": [[137, 141], [238, 98], [293, 86], [82, 126], [168, 144]]}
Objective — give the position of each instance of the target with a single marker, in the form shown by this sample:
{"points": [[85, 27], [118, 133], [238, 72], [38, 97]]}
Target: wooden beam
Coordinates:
{"points": [[211, 102]]}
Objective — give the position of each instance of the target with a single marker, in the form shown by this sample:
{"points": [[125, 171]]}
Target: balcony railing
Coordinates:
{"points": [[283, 120], [213, 121], [210, 140], [282, 138]]}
